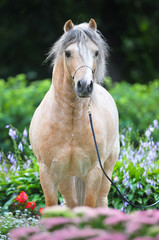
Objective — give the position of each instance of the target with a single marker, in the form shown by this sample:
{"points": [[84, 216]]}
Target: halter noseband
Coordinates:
{"points": [[72, 77], [93, 71]]}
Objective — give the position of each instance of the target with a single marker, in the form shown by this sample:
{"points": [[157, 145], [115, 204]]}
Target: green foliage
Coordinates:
{"points": [[137, 104], [18, 101]]}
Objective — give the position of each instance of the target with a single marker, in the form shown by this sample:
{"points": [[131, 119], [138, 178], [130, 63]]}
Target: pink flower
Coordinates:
{"points": [[22, 232], [111, 236], [141, 218], [113, 220], [76, 233], [50, 223], [42, 236]]}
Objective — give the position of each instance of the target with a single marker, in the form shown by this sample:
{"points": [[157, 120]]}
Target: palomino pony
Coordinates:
{"points": [[60, 131]]}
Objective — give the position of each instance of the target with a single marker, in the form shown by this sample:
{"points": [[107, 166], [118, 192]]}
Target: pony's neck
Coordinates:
{"points": [[64, 92], [62, 84]]}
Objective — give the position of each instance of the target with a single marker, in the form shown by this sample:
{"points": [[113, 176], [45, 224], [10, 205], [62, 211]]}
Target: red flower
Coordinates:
{"points": [[22, 197], [31, 205]]}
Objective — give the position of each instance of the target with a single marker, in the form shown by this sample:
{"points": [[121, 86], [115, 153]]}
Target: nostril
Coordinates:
{"points": [[90, 87], [81, 85]]}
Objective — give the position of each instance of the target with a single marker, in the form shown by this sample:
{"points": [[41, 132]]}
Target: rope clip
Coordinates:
{"points": [[89, 106]]}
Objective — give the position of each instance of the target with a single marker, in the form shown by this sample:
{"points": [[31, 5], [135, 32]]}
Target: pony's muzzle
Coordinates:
{"points": [[84, 89]]}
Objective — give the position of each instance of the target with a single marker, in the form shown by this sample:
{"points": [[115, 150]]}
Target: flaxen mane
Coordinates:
{"points": [[80, 34]]}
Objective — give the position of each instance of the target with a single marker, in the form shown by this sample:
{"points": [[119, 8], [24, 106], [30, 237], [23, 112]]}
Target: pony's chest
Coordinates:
{"points": [[78, 137], [75, 152]]}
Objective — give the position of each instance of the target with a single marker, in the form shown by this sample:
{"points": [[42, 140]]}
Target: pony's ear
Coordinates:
{"points": [[92, 24], [68, 26]]}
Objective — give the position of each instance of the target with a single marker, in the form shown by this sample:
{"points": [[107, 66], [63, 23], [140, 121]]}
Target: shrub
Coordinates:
{"points": [[18, 101], [137, 104], [88, 223]]}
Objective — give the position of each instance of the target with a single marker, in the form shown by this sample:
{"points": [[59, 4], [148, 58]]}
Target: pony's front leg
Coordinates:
{"points": [[68, 191], [92, 185], [49, 185], [102, 200]]}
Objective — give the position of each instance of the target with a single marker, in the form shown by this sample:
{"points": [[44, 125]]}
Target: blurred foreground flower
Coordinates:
{"points": [[63, 223]]}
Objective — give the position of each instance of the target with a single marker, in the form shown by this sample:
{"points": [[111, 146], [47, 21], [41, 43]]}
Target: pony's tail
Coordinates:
{"points": [[80, 190]]}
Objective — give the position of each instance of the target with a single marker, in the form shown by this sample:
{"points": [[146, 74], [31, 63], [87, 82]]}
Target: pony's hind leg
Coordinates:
{"points": [[49, 186], [102, 200], [68, 191]]}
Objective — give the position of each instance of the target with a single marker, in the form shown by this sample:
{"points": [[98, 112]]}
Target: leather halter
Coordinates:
{"points": [[72, 77]]}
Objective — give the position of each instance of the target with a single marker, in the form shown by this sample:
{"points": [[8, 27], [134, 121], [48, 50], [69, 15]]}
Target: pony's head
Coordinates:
{"points": [[84, 52]]}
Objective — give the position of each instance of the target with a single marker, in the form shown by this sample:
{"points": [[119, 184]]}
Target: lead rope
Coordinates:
{"points": [[97, 151]]}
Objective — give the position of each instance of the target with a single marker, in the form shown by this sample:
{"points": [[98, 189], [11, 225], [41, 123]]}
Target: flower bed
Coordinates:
{"points": [[136, 173], [86, 223]]}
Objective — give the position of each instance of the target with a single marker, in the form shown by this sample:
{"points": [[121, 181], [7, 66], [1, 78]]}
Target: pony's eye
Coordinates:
{"points": [[96, 53], [67, 54]]}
